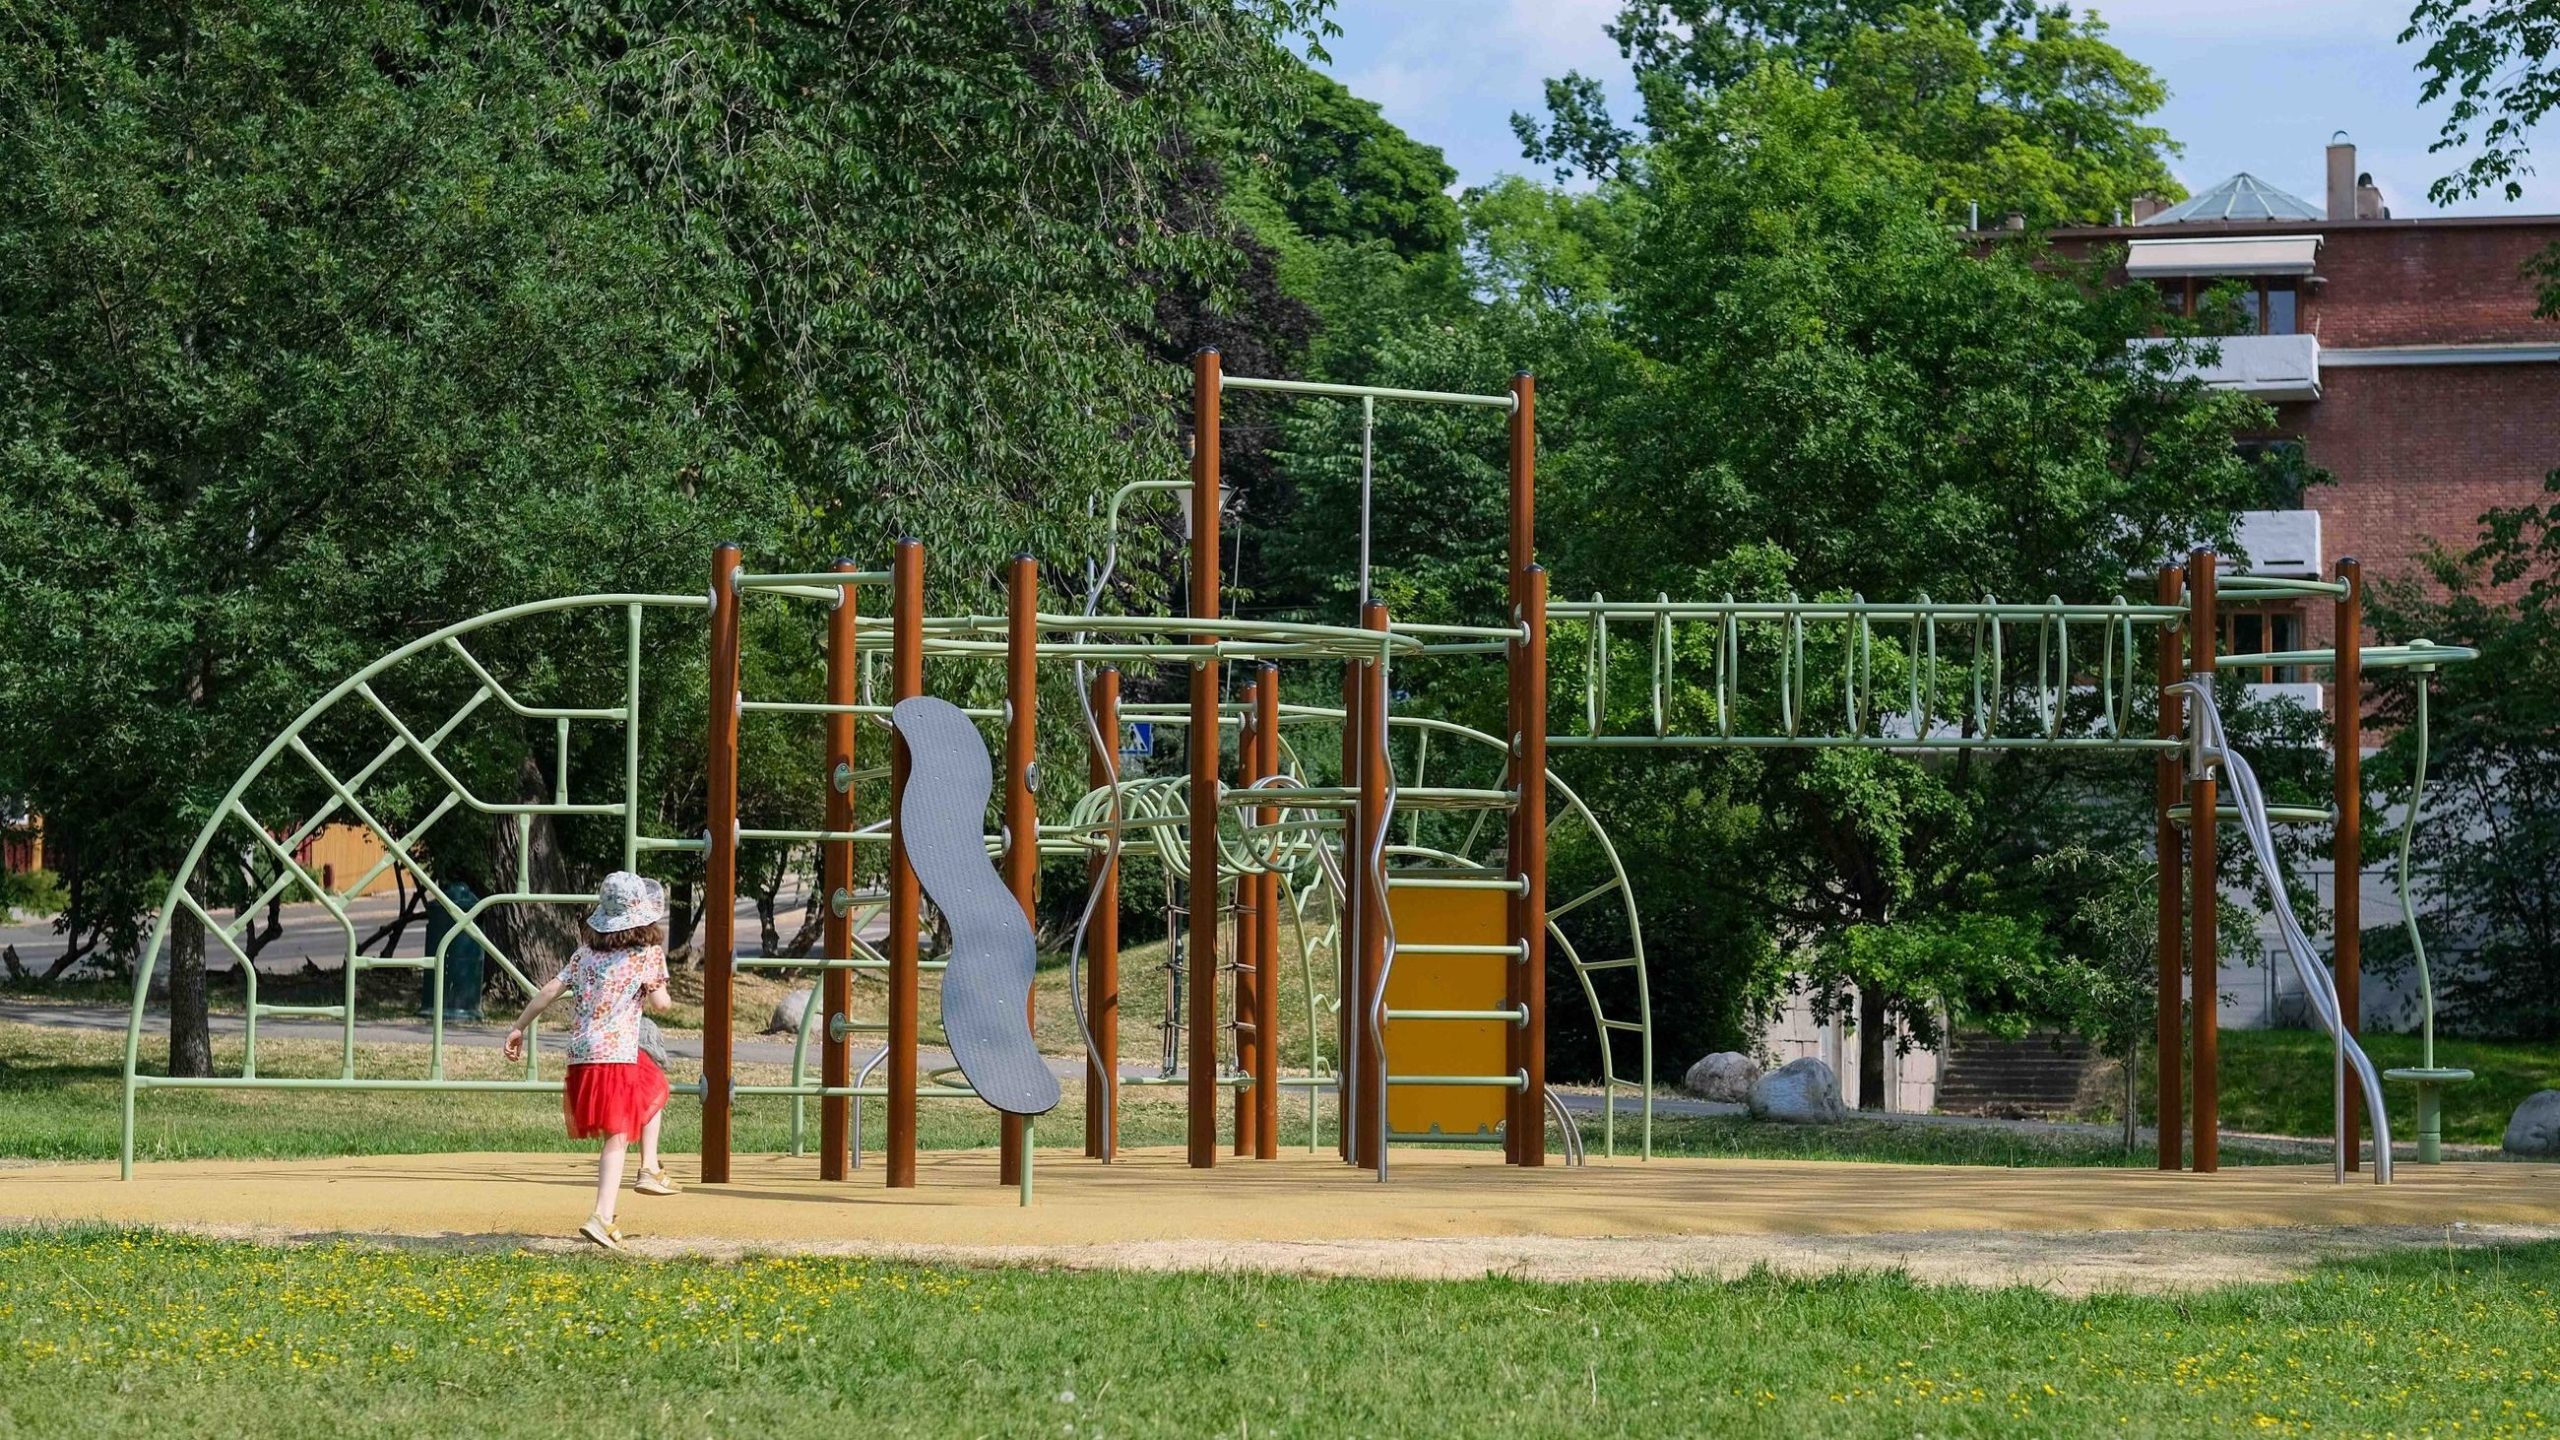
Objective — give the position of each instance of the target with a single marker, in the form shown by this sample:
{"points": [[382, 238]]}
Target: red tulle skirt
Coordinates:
{"points": [[613, 1099]]}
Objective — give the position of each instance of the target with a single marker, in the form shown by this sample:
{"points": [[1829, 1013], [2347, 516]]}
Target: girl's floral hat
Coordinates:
{"points": [[627, 902]]}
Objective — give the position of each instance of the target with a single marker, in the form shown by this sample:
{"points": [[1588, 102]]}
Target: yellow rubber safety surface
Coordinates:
{"points": [[776, 1202]]}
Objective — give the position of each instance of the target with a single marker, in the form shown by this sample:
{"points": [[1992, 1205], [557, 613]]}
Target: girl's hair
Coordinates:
{"points": [[638, 937]]}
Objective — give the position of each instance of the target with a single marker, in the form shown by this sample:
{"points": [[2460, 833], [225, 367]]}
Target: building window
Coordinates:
{"points": [[2263, 630], [2267, 306]]}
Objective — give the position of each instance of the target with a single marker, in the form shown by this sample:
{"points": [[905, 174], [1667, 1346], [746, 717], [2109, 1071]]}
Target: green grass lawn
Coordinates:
{"points": [[2277, 1082], [134, 1333]]}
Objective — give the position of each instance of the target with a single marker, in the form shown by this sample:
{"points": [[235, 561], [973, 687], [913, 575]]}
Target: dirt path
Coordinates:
{"points": [[1445, 1214], [2071, 1263]]}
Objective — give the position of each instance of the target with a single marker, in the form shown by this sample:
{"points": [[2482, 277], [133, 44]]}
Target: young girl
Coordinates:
{"points": [[613, 1089]]}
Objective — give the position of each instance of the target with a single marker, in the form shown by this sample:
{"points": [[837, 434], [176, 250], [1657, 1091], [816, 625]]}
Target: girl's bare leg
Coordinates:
{"points": [[649, 1142], [609, 1175]]}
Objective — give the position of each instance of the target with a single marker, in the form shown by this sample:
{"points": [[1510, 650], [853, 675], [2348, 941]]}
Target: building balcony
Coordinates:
{"points": [[2281, 542], [2275, 368]]}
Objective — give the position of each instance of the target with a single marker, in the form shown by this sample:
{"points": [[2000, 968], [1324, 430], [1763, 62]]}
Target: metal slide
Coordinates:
{"points": [[986, 990], [2211, 747]]}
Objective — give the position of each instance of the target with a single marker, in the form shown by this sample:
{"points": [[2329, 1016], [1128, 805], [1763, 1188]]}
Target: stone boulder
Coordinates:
{"points": [[2535, 1129], [1726, 1076], [1800, 1092], [787, 1012]]}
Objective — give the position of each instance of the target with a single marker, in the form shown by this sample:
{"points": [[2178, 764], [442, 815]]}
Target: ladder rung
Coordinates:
{"points": [[1625, 964], [322, 1012], [1454, 882], [394, 962], [1502, 1082], [1516, 1015], [1623, 1025], [1510, 951]]}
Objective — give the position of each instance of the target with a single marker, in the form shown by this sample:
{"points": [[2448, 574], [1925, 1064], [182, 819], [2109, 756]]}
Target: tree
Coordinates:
{"points": [[2500, 60], [1343, 173], [2003, 104], [2486, 859], [1768, 366], [327, 325]]}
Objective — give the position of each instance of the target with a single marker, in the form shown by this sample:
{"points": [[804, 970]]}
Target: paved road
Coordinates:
{"points": [[311, 938]]}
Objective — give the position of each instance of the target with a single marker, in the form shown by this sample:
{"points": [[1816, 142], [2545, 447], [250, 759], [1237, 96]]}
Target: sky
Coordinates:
{"points": [[2255, 85]]}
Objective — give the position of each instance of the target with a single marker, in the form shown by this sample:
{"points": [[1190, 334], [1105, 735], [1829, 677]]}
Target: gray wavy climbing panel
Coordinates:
{"points": [[986, 992]]}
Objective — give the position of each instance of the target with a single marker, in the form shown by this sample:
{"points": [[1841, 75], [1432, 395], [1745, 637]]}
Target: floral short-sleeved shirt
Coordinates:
{"points": [[604, 989]]}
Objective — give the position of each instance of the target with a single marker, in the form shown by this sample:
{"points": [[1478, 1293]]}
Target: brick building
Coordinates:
{"points": [[2402, 355]]}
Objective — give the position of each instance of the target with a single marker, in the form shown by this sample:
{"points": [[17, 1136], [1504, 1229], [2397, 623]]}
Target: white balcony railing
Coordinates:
{"points": [[2275, 368], [2281, 542]]}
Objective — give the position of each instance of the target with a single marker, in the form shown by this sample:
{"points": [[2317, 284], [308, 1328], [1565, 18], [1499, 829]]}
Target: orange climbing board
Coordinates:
{"points": [[1447, 982]]}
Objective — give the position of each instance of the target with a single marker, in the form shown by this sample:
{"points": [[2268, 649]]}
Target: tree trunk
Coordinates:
{"points": [[537, 937], [1871, 1039], [683, 915], [2132, 1122], [190, 1028]]}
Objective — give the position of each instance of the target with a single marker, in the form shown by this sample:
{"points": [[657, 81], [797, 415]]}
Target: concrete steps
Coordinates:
{"points": [[2035, 1075]]}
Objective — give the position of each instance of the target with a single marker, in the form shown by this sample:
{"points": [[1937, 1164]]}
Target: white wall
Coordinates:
{"points": [[1911, 1081]]}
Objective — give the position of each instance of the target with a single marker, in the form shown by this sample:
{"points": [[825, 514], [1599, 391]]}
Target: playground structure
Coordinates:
{"points": [[1435, 947]]}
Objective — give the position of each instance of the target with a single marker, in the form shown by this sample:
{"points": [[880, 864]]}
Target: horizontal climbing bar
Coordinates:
{"points": [[1435, 1137], [1859, 742], [1774, 610], [2268, 587], [826, 578], [1455, 882], [2280, 814], [1510, 951], [821, 707], [2371, 657], [672, 842], [1516, 1015], [1358, 392], [263, 1082], [1486, 1082], [866, 1092]]}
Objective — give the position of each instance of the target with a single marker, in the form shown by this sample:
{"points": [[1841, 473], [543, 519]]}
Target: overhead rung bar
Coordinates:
{"points": [[1514, 1081], [1625, 963], [825, 578], [1456, 882], [1508, 952], [1357, 392]]}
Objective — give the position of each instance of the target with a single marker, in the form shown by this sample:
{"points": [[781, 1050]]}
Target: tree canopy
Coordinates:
{"points": [[2007, 105]]}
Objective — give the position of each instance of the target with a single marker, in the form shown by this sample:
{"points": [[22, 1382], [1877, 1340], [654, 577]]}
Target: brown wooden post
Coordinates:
{"points": [[906, 681], [1102, 944], [2204, 966], [1346, 980], [1532, 910], [1021, 806], [1266, 921], [835, 882], [2346, 857], [1201, 1057], [720, 869], [1248, 1002], [2169, 1040], [1369, 1137]]}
